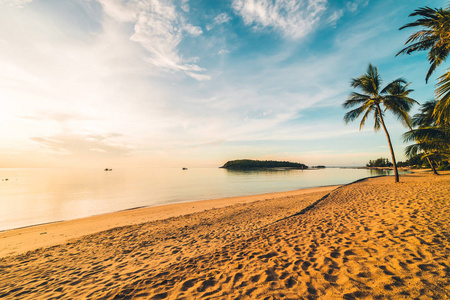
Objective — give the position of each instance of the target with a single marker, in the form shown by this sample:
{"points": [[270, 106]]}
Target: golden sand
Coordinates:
{"points": [[369, 240]]}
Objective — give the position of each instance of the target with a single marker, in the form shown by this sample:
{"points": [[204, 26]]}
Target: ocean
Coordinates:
{"points": [[35, 196]]}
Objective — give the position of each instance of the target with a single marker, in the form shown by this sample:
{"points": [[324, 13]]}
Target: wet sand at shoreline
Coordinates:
{"points": [[17, 241], [373, 239]]}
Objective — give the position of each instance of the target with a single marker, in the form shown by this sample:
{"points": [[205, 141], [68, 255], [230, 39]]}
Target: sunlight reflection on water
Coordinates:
{"points": [[34, 196]]}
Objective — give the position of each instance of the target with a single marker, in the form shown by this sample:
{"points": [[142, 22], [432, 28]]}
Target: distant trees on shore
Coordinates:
{"points": [[248, 164], [379, 163]]}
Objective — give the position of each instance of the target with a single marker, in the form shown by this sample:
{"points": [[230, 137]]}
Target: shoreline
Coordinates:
{"points": [[20, 240], [373, 238]]}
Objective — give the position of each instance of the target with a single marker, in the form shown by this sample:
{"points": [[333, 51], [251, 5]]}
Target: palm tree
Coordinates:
{"points": [[442, 109], [401, 90], [425, 117], [393, 97], [432, 139], [421, 120], [434, 37], [434, 142]]}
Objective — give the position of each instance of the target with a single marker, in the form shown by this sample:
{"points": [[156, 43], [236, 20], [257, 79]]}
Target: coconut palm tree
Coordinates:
{"points": [[432, 139], [434, 142], [393, 97], [442, 109], [402, 91], [425, 117], [434, 37], [421, 120]]}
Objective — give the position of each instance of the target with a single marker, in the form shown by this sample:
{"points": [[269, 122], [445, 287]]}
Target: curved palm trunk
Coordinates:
{"points": [[431, 164], [428, 159], [390, 144]]}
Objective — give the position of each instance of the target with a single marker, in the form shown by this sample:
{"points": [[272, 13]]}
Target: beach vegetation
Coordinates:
{"points": [[434, 37], [431, 134], [415, 162], [444, 167], [432, 138], [421, 120], [372, 100]]}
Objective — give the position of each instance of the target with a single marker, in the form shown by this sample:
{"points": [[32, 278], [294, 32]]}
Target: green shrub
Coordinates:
{"points": [[444, 167]]}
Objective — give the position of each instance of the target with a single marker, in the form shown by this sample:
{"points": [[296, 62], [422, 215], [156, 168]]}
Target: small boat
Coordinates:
{"points": [[184, 169], [108, 169]]}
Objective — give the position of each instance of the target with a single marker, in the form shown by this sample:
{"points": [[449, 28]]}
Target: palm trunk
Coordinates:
{"points": [[390, 144], [428, 159], [431, 164]]}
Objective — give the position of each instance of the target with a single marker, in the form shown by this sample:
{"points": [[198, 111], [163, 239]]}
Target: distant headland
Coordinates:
{"points": [[249, 164]]}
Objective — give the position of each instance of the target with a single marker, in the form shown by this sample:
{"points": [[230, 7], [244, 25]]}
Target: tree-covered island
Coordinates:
{"points": [[249, 164]]}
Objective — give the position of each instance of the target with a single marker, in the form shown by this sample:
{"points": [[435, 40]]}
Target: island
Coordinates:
{"points": [[249, 164]]}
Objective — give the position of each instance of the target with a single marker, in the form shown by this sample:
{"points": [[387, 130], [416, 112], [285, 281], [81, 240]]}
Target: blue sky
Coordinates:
{"points": [[196, 83]]}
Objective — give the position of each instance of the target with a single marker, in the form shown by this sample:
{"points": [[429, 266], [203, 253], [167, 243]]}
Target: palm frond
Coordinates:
{"points": [[355, 99], [377, 119], [433, 134], [364, 118], [425, 117], [354, 114], [369, 82], [412, 150], [433, 36], [442, 108], [395, 87]]}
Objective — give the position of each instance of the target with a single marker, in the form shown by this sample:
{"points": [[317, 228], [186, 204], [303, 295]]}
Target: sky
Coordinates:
{"points": [[183, 83]]}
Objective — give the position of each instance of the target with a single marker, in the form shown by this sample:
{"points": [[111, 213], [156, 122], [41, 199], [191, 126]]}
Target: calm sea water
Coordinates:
{"points": [[35, 196]]}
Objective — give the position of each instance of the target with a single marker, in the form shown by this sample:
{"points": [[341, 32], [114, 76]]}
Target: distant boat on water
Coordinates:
{"points": [[108, 169], [185, 169]]}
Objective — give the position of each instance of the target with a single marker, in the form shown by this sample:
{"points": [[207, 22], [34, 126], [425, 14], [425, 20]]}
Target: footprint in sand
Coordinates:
{"points": [[188, 284], [335, 254]]}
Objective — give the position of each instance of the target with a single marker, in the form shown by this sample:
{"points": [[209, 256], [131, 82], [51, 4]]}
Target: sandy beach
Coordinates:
{"points": [[373, 239]]}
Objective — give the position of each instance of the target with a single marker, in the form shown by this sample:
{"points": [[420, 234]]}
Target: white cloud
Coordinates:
{"points": [[88, 145], [294, 19], [222, 18], [73, 93], [218, 20], [15, 3], [117, 10], [335, 17], [353, 6], [185, 5], [159, 28], [194, 30]]}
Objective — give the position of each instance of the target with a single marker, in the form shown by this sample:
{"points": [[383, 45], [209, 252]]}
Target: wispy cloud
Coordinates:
{"points": [[356, 5], [159, 27], [294, 19], [222, 18], [74, 72], [84, 146], [15, 3], [218, 20], [332, 20]]}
